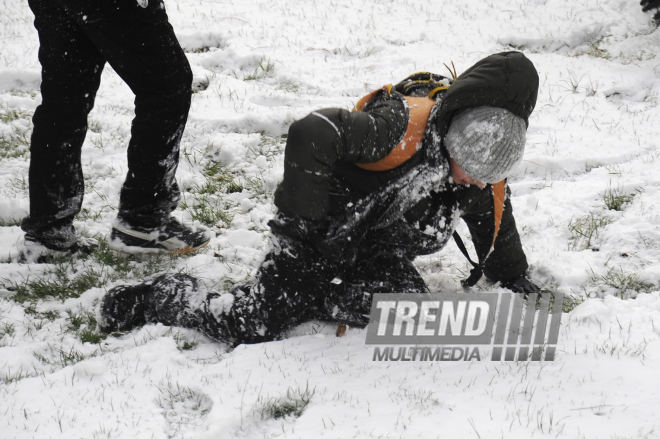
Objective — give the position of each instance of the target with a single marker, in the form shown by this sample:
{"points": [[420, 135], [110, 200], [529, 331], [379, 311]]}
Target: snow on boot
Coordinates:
{"points": [[122, 308], [33, 249]]}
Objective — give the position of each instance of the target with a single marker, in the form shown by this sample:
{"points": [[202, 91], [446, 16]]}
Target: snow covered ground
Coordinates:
{"points": [[586, 200]]}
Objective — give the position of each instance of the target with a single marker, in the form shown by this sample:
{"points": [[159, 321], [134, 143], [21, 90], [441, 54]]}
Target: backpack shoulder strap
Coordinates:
{"points": [[499, 196], [419, 110], [359, 106]]}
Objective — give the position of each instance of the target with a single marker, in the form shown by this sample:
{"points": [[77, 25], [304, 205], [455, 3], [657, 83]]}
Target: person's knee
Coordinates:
{"points": [[170, 91], [64, 117], [65, 107], [180, 100], [171, 104], [181, 76], [179, 92], [184, 78]]}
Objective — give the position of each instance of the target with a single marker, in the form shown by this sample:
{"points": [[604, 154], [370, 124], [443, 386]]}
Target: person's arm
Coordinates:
{"points": [[507, 261], [326, 137]]}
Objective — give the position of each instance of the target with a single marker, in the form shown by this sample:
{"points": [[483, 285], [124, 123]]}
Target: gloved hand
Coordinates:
{"points": [[522, 285]]}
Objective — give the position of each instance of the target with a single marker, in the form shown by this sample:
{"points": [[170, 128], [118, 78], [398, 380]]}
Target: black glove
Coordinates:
{"points": [[648, 5], [522, 285]]}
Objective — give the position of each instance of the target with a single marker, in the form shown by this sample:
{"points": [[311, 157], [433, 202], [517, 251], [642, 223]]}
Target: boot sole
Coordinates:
{"points": [[118, 246], [133, 242]]}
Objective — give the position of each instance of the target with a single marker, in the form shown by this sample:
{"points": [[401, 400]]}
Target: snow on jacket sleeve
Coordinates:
{"points": [[328, 137]]}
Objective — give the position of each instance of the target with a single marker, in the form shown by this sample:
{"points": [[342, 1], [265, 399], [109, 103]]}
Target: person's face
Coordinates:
{"points": [[461, 177]]}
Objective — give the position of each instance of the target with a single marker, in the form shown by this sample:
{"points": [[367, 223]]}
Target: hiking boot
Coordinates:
{"points": [[122, 308], [174, 238], [39, 250]]}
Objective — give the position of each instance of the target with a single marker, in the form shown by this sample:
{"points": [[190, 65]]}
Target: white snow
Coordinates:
{"points": [[259, 65]]}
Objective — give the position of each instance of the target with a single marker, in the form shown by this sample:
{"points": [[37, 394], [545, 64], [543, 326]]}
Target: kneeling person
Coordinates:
{"points": [[363, 194]]}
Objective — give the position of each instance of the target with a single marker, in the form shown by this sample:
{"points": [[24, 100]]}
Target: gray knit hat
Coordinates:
{"points": [[486, 142]]}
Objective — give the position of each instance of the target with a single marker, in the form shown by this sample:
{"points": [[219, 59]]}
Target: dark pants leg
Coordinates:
{"points": [[288, 289], [294, 284], [139, 43], [71, 73], [77, 38]]}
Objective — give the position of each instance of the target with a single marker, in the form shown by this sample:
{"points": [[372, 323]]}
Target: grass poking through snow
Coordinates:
{"points": [[70, 276], [616, 198], [625, 284], [586, 229], [292, 404]]}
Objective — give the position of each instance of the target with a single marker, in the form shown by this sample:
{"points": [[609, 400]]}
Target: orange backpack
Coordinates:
{"points": [[419, 112]]}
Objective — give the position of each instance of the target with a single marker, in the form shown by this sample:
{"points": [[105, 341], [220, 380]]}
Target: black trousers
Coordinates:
{"points": [[294, 284], [77, 38]]}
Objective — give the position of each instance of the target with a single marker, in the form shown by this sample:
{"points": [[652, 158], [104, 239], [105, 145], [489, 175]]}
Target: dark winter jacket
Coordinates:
{"points": [[411, 208]]}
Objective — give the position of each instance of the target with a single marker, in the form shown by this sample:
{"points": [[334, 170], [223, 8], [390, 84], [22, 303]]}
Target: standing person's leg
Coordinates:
{"points": [[70, 77], [139, 43]]}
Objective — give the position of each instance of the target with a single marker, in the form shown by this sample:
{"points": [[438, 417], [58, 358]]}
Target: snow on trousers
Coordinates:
{"points": [[294, 284], [77, 38]]}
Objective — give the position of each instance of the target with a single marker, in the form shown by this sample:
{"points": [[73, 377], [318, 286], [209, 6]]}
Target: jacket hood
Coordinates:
{"points": [[507, 80]]}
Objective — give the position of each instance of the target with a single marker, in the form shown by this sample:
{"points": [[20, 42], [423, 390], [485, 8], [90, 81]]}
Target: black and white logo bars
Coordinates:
{"points": [[454, 327]]}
